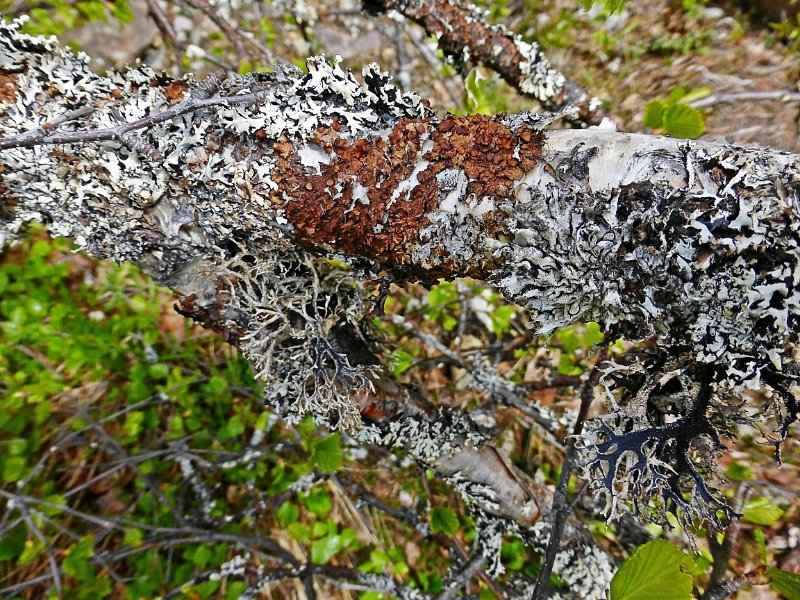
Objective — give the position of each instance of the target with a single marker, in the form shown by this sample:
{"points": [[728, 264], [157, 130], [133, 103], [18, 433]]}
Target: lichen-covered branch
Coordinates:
{"points": [[466, 38], [240, 203]]}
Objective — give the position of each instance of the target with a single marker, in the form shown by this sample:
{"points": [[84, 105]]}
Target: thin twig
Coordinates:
{"points": [[167, 30], [731, 98], [561, 509], [237, 37], [463, 577], [721, 552]]}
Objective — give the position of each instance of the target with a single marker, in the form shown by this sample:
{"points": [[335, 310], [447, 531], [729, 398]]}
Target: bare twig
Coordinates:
{"points": [[465, 37], [722, 551], [508, 394], [167, 30], [463, 577], [561, 508], [238, 38], [788, 96], [726, 589]]}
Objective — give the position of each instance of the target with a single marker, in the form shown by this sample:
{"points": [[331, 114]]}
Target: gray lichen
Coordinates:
{"points": [[202, 219], [693, 244]]}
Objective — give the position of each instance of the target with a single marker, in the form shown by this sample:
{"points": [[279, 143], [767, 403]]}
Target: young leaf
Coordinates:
{"points": [[287, 513], [318, 502], [444, 520], [676, 95], [11, 547], [696, 94], [656, 571], [612, 6], [762, 544], [785, 583], [761, 511], [76, 563], [324, 549], [327, 454], [683, 121], [654, 114]]}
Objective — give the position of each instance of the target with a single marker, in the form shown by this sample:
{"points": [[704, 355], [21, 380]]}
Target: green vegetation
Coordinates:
{"points": [[675, 116], [60, 16]]}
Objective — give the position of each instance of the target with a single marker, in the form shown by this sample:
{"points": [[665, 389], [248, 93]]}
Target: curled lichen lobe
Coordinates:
{"points": [[374, 196]]}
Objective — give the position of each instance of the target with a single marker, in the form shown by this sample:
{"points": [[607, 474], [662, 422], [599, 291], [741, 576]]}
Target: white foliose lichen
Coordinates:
{"points": [[193, 198]]}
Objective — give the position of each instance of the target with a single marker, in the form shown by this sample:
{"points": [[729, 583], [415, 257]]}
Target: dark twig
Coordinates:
{"points": [[561, 508], [508, 395], [308, 583], [463, 577], [239, 39], [726, 589], [167, 30], [51, 559], [722, 551]]}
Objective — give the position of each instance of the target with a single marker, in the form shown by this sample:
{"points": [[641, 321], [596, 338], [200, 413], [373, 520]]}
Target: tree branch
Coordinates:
{"points": [[465, 37]]}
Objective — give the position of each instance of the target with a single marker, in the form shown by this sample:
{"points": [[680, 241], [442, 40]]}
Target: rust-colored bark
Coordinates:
{"points": [[326, 213], [462, 34]]}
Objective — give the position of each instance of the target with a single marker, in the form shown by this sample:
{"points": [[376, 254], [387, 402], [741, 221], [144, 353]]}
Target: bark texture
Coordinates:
{"points": [[235, 192], [466, 38]]}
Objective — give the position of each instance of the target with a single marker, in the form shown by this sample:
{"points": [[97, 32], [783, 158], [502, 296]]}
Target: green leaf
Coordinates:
{"points": [[287, 513], [11, 546], [611, 6], [51, 511], [444, 293], [201, 555], [327, 454], [761, 511], [445, 520], [122, 12], [93, 11], [318, 502], [696, 94], [785, 583], [133, 423], [594, 334], [235, 590], [299, 531], [262, 421], [656, 571], [14, 468], [32, 550], [133, 537], [233, 428], [676, 95], [683, 121], [400, 361], [738, 471], [76, 563], [762, 544], [159, 371], [325, 549], [501, 319], [654, 114]]}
